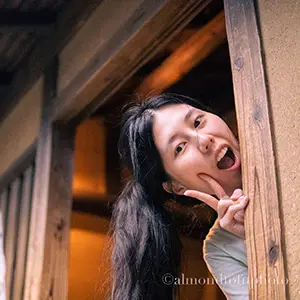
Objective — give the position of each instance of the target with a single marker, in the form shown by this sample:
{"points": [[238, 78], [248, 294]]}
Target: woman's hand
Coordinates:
{"points": [[231, 210]]}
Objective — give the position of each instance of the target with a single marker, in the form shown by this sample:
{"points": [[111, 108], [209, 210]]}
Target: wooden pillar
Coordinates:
{"points": [[263, 226], [12, 234], [23, 230], [47, 259]]}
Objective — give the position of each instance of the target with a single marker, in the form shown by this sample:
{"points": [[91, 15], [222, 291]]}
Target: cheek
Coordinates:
{"points": [[187, 168]]}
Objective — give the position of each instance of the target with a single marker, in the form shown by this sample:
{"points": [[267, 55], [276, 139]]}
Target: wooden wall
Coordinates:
{"points": [[280, 30], [89, 267], [89, 257], [20, 129], [92, 37], [90, 165]]}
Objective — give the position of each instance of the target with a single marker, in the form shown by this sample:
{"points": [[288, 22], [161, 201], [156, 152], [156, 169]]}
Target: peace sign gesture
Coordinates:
{"points": [[231, 210]]}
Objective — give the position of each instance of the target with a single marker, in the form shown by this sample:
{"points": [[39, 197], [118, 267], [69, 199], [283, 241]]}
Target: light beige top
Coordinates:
{"points": [[226, 257]]}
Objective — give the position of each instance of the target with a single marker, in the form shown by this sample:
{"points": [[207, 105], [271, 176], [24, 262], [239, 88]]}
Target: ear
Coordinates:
{"points": [[174, 187]]}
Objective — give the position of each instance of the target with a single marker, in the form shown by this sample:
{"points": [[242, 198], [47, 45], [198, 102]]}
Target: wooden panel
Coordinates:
{"points": [[11, 237], [18, 167], [96, 32], [89, 160], [33, 66], [262, 224], [20, 129], [47, 259], [23, 231], [3, 199], [198, 47], [147, 30], [4, 206]]}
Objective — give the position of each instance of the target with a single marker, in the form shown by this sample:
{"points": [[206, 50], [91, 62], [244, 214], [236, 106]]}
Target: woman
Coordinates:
{"points": [[176, 148]]}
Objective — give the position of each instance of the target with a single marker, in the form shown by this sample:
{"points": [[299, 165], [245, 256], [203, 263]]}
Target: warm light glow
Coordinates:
{"points": [[89, 263], [89, 168], [186, 57]]}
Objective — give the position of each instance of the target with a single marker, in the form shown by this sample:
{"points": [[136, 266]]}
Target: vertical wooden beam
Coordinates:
{"points": [[11, 237], [3, 200], [263, 228], [22, 242], [4, 204], [47, 259]]}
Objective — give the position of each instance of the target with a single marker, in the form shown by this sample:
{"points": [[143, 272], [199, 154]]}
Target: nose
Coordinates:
{"points": [[205, 142]]}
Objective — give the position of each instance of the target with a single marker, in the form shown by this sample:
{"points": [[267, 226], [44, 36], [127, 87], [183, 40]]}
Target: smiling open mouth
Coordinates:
{"points": [[227, 160]]}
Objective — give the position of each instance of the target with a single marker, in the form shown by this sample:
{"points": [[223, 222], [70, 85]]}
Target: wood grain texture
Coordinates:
{"points": [[18, 167], [23, 230], [3, 199], [199, 46], [47, 259], [263, 227], [4, 205], [11, 237], [152, 25], [33, 66]]}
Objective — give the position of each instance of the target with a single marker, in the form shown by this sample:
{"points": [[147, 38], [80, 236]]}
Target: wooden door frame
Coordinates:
{"points": [[148, 29], [159, 21], [263, 226]]}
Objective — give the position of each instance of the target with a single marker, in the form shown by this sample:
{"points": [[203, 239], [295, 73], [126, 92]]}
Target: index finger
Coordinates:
{"points": [[206, 198], [215, 186]]}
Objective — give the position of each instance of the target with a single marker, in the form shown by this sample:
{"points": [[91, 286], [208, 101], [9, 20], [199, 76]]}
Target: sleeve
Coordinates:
{"points": [[229, 273]]}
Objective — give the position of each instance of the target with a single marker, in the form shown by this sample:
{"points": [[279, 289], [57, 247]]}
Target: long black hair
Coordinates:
{"points": [[147, 250]]}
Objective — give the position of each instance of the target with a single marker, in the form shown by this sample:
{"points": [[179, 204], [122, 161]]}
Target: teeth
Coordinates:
{"points": [[222, 153]]}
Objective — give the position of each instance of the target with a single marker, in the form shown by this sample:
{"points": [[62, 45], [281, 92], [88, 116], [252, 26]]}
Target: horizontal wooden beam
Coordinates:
{"points": [[201, 44], [68, 23], [103, 208], [18, 18], [100, 208], [145, 33], [39, 22], [22, 18]]}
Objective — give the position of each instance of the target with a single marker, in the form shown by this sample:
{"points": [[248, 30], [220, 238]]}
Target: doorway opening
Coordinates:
{"points": [[195, 63]]}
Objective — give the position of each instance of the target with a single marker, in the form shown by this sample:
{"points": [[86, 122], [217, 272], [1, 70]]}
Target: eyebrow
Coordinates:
{"points": [[174, 136]]}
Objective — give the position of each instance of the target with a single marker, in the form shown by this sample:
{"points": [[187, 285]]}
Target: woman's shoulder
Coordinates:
{"points": [[219, 240]]}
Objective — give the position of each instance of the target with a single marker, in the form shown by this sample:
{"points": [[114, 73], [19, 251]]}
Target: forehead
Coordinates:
{"points": [[177, 111], [167, 120]]}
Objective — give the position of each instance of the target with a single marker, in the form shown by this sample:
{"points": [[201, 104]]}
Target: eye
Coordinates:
{"points": [[197, 122], [179, 148]]}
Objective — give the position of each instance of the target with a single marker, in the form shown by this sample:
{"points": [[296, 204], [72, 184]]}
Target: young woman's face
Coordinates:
{"points": [[193, 142]]}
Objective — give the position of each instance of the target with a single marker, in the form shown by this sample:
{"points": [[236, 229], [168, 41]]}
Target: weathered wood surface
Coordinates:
{"points": [[150, 27], [186, 57], [67, 24], [3, 204], [18, 167], [23, 231], [12, 234], [47, 259], [267, 278]]}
